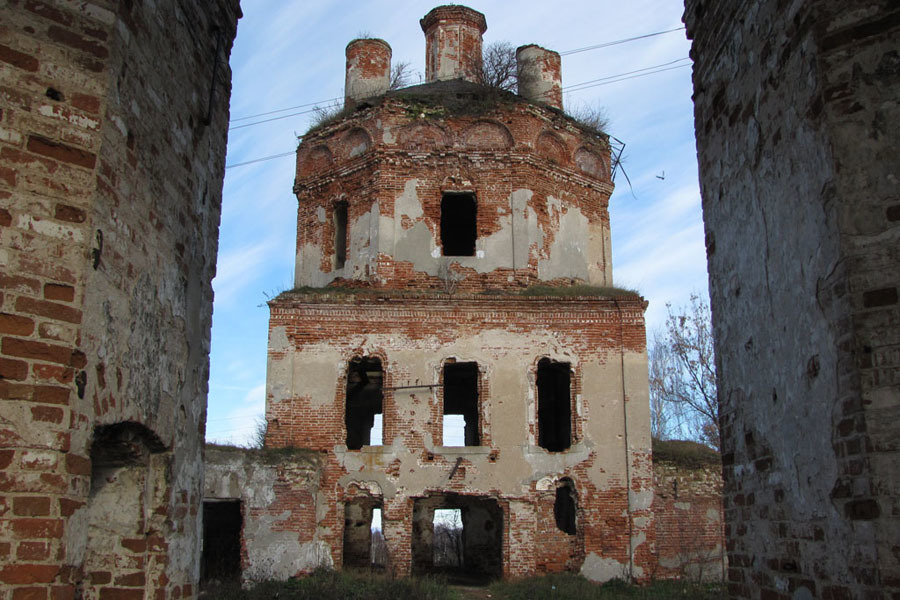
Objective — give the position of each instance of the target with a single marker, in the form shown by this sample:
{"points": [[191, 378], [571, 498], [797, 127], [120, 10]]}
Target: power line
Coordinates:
{"points": [[320, 102], [617, 42], [577, 87], [584, 84], [272, 112], [256, 160]]}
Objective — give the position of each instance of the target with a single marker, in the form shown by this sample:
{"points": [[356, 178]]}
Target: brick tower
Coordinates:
{"points": [[453, 267]]}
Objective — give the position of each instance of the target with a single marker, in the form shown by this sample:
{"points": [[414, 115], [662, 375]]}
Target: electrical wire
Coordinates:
{"points": [[577, 87], [320, 102], [617, 42], [621, 76]]}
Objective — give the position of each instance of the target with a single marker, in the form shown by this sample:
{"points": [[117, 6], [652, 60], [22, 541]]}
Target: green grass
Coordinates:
{"points": [[685, 453], [362, 585], [577, 290], [333, 585], [576, 587]]}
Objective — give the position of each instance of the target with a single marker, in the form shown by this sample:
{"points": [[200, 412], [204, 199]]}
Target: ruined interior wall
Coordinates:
{"points": [[312, 338], [110, 187], [542, 187], [797, 128], [690, 528], [278, 491]]}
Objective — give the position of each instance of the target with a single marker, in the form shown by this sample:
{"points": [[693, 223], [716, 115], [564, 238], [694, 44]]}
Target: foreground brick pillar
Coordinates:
{"points": [[797, 134], [112, 142]]}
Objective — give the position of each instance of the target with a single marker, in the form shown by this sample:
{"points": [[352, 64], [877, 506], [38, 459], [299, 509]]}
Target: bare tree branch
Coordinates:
{"points": [[683, 373], [498, 66]]}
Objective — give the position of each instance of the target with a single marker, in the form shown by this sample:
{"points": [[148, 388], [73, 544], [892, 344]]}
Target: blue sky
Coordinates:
{"points": [[290, 53]]}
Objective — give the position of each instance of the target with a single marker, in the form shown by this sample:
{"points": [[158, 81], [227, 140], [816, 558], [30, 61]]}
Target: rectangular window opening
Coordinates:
{"points": [[340, 235], [554, 405], [458, 224], [365, 383], [448, 537], [564, 508], [461, 423]]}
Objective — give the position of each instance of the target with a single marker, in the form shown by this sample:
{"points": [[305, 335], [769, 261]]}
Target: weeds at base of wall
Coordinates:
{"points": [[576, 587], [333, 585], [359, 585]]}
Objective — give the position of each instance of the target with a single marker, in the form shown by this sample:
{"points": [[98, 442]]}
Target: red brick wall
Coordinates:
{"points": [[422, 324], [107, 248]]}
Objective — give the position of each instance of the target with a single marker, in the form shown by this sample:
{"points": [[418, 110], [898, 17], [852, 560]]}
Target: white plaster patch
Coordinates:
{"points": [[599, 569], [50, 228]]}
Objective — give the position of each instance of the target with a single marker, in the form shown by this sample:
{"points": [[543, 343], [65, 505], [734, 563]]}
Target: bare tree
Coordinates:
{"points": [[683, 372], [401, 75], [498, 66], [448, 541]]}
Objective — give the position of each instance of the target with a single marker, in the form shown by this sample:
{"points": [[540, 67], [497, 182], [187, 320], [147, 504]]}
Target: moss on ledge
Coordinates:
{"points": [[685, 453]]}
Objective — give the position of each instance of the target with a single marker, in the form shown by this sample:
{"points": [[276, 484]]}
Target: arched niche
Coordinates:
{"points": [[591, 163], [552, 147], [487, 135], [422, 136], [356, 142], [316, 160]]}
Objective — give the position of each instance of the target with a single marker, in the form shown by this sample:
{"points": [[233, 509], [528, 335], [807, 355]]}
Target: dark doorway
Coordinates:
{"points": [[361, 547], [554, 405], [222, 525], [458, 224], [461, 400], [459, 536], [365, 384]]}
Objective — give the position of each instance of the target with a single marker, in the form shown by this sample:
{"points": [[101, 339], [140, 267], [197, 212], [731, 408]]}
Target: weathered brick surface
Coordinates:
{"points": [[797, 116], [109, 170], [541, 184], [690, 532]]}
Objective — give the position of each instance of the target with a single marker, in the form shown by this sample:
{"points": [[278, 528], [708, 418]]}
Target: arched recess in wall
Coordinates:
{"points": [[423, 136], [552, 147], [363, 544], [356, 142], [591, 163], [127, 504], [316, 160], [487, 135]]}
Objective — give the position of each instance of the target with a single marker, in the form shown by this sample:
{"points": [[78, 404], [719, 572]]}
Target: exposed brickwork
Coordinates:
{"points": [[541, 187], [690, 532], [797, 118], [106, 166]]}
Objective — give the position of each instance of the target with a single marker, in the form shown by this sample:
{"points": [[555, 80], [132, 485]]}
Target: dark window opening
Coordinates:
{"points": [[459, 536], [461, 404], [221, 557], [365, 381], [340, 235], [554, 405], [361, 539], [458, 224], [565, 507]]}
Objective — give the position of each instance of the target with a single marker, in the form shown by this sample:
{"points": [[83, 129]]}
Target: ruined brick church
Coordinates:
{"points": [[442, 229]]}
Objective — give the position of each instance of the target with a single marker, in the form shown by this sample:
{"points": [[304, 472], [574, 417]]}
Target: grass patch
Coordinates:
{"points": [[333, 585], [685, 453], [575, 587], [577, 290]]}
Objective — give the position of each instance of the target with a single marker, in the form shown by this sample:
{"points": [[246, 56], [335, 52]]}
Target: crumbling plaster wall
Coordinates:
{"points": [[542, 214], [690, 527], [278, 491], [797, 128], [603, 339], [111, 166]]}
